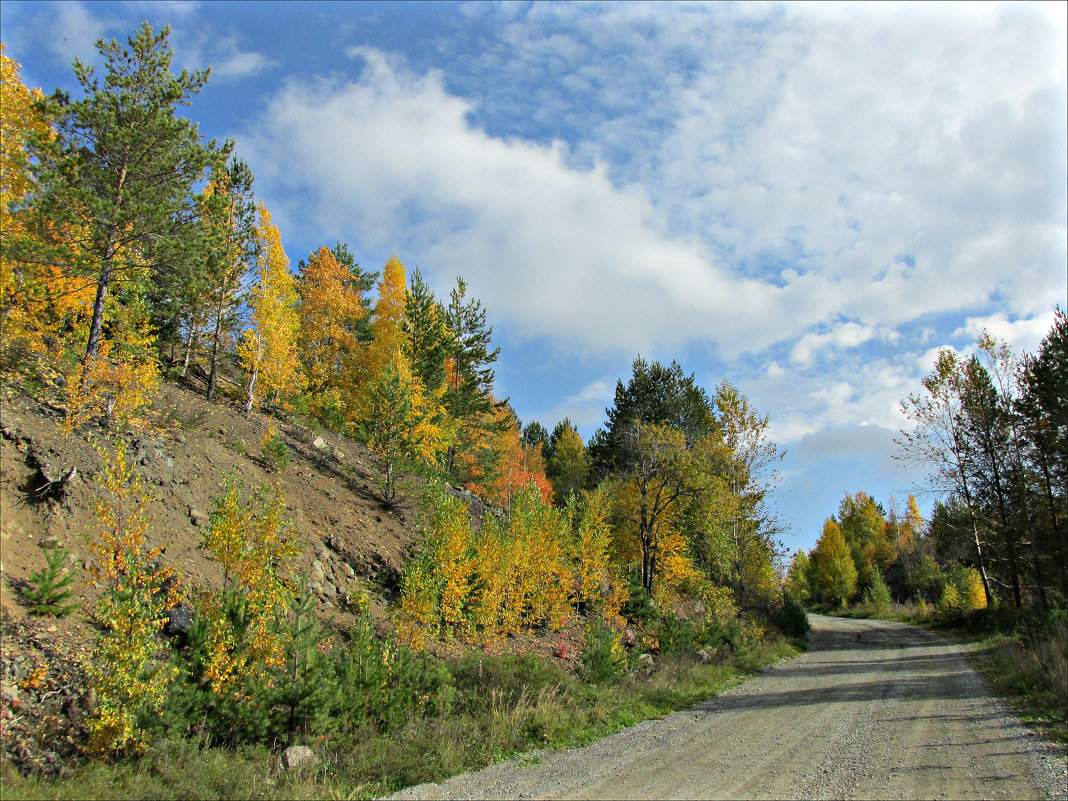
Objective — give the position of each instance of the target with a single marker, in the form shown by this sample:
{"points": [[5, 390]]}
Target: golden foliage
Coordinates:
{"points": [[127, 675], [269, 346], [253, 545], [329, 309]]}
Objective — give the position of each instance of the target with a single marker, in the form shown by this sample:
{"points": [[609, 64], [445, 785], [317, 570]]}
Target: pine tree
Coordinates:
{"points": [[122, 165], [50, 586], [468, 397]]}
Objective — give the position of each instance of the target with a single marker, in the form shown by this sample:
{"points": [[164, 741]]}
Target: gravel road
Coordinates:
{"points": [[872, 710]]}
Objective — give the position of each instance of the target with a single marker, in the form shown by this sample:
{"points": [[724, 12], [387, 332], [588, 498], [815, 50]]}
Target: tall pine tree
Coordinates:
{"points": [[121, 169]]}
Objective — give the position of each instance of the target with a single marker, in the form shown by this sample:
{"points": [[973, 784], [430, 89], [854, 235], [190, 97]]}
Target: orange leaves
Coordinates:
{"points": [[329, 308]]}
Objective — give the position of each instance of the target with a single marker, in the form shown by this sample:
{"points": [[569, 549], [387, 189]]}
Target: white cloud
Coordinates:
{"points": [[1023, 336], [74, 31], [542, 243], [731, 181], [844, 335], [199, 49]]}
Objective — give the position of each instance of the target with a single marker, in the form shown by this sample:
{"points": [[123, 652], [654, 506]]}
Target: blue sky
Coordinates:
{"points": [[806, 200]]}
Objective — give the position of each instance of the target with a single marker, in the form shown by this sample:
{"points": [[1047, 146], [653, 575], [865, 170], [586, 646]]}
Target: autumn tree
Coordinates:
{"points": [[938, 442], [22, 283], [390, 404], [567, 464], [333, 322], [269, 346], [797, 575], [834, 574], [228, 212], [744, 467]]}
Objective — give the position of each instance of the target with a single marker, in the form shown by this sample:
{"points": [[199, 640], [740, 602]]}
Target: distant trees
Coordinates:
{"points": [[991, 428]]}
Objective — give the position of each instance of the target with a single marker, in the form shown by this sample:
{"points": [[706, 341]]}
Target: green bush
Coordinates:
{"points": [[676, 634], [602, 656], [878, 594], [274, 452], [50, 586], [790, 618], [638, 608]]}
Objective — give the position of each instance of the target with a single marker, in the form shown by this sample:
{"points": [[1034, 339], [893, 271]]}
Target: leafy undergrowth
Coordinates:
{"points": [[503, 705], [1022, 654]]}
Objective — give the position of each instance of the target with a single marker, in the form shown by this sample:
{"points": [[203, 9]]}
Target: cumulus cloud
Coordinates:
{"points": [[542, 243], [630, 178]]}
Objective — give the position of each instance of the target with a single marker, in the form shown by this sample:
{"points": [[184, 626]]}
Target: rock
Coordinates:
{"points": [[48, 541], [329, 590], [320, 443], [628, 638], [298, 756], [347, 569], [704, 656], [198, 517], [338, 454], [9, 694], [179, 620], [645, 663]]}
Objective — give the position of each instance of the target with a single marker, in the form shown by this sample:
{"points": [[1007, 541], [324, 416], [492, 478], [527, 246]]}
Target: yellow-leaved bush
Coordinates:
{"points": [[128, 676], [531, 568], [251, 542]]}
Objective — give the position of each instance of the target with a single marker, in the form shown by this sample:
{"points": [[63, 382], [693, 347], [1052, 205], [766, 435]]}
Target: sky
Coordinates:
{"points": [[805, 200]]}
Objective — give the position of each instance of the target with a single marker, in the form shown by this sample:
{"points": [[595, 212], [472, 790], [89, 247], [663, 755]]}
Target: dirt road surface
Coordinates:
{"points": [[872, 710]]}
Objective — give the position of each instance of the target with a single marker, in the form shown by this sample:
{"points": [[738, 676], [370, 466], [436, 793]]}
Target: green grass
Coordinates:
{"points": [[504, 706]]}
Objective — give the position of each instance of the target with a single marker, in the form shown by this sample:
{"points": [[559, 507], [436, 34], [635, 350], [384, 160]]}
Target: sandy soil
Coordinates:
{"points": [[872, 710]]}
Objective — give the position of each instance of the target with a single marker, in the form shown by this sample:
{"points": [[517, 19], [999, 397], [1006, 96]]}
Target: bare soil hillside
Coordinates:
{"points": [[348, 540]]}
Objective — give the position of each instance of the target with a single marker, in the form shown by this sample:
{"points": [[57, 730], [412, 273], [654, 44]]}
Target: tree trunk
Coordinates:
{"points": [[252, 390]]}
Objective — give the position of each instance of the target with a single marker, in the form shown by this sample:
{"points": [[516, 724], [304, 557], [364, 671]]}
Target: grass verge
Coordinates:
{"points": [[504, 706]]}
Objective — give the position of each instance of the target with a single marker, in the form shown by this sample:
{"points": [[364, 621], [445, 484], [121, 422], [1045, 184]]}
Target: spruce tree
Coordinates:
{"points": [[428, 343]]}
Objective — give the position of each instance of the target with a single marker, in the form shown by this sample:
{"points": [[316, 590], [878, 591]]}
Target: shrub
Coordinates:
{"points": [[638, 607], [878, 594], [127, 676], [791, 619], [273, 450], [602, 653], [49, 586]]}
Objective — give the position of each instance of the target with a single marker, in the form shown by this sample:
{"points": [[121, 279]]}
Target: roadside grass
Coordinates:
{"points": [[504, 705], [1022, 654]]}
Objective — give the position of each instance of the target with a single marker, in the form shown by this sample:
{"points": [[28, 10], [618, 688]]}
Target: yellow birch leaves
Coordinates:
{"points": [[269, 347]]}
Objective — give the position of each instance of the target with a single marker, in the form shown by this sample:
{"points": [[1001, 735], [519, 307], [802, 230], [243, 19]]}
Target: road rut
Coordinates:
{"points": [[873, 709]]}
